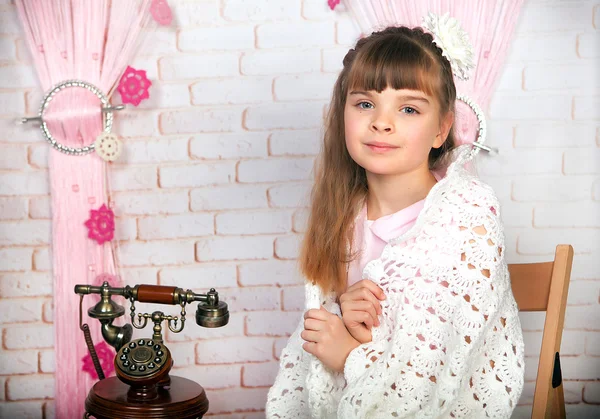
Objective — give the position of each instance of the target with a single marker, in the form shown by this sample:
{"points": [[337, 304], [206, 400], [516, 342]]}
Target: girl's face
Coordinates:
{"points": [[392, 132]]}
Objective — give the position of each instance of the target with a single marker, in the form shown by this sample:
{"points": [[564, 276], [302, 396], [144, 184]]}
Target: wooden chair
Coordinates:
{"points": [[544, 287]]}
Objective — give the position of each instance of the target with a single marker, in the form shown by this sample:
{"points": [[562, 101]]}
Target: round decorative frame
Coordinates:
{"points": [[107, 113]]}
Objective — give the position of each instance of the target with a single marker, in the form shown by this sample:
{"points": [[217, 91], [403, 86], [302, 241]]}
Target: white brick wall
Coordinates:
{"points": [[213, 183], [280, 61]]}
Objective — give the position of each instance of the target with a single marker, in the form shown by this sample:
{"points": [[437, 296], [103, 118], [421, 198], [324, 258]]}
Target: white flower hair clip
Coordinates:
{"points": [[451, 38]]}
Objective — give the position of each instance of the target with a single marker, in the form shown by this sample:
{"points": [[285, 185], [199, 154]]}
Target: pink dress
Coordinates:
{"points": [[371, 236]]}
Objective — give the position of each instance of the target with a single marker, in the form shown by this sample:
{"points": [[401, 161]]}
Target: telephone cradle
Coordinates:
{"points": [[143, 387]]}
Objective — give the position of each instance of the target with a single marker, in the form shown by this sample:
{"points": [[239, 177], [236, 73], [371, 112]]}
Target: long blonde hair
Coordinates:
{"points": [[399, 58]]}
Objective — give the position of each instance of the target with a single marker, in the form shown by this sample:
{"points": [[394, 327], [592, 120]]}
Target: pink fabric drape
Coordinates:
{"points": [[490, 25], [90, 41]]}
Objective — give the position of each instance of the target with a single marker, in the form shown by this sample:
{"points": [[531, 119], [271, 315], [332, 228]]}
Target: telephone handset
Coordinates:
{"points": [[144, 364]]}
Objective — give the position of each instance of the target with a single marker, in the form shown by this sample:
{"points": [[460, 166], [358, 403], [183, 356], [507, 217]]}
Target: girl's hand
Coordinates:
{"points": [[327, 338], [360, 309]]}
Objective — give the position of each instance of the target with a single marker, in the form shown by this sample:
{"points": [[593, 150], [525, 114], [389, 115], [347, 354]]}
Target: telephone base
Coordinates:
{"points": [[183, 399]]}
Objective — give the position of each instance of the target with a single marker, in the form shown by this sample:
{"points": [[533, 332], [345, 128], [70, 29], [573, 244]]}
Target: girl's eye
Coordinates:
{"points": [[409, 110], [364, 105]]}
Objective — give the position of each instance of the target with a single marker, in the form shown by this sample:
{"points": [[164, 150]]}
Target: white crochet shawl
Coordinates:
{"points": [[450, 343]]}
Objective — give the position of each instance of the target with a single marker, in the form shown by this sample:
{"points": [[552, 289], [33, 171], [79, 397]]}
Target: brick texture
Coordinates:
{"points": [[213, 186]]}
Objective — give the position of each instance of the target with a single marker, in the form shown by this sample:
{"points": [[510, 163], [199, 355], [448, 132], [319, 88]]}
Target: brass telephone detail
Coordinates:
{"points": [[144, 364]]}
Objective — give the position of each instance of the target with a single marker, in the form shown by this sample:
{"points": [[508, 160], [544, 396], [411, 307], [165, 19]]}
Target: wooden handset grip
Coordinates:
{"points": [[158, 294]]}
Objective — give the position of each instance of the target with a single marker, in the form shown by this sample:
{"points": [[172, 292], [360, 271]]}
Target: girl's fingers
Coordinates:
{"points": [[359, 317], [317, 314], [361, 306], [371, 286], [361, 294], [312, 324], [366, 294], [310, 336], [310, 347]]}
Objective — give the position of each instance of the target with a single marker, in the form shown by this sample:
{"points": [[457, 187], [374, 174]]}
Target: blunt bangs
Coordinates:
{"points": [[401, 64]]}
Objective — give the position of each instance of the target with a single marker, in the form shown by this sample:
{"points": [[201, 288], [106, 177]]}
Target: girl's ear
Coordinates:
{"points": [[445, 126]]}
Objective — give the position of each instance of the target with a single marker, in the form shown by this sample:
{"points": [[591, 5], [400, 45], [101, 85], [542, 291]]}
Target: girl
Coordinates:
{"points": [[410, 313]]}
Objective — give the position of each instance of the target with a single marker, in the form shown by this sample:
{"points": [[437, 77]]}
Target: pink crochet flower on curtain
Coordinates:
{"points": [[101, 225], [333, 3], [106, 357], [134, 86], [161, 12], [113, 280]]}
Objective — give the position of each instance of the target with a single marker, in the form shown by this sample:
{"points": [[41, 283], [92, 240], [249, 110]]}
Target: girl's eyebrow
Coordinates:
{"points": [[360, 92], [419, 98], [401, 97]]}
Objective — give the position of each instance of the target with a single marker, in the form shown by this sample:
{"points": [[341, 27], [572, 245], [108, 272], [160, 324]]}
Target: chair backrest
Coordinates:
{"points": [[544, 286]]}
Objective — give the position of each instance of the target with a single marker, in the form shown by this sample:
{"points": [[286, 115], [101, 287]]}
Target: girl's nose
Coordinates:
{"points": [[383, 125]]}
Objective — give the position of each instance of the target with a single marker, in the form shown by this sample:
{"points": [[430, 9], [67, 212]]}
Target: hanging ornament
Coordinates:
{"points": [[106, 357], [134, 86], [101, 224], [161, 12], [108, 146], [333, 3]]}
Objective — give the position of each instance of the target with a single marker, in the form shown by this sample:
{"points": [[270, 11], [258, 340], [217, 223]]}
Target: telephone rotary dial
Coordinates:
{"points": [[141, 358]]}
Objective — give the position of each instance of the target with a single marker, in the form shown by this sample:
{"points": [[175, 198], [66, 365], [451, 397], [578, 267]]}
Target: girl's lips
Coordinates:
{"points": [[380, 147]]}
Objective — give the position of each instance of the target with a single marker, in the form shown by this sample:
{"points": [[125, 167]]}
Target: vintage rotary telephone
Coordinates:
{"points": [[143, 365]]}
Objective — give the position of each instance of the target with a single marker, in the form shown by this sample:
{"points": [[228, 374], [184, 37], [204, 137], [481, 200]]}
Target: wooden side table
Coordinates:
{"points": [[183, 399]]}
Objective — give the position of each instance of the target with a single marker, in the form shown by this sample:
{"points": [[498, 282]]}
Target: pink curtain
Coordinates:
{"points": [[490, 25], [90, 41]]}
